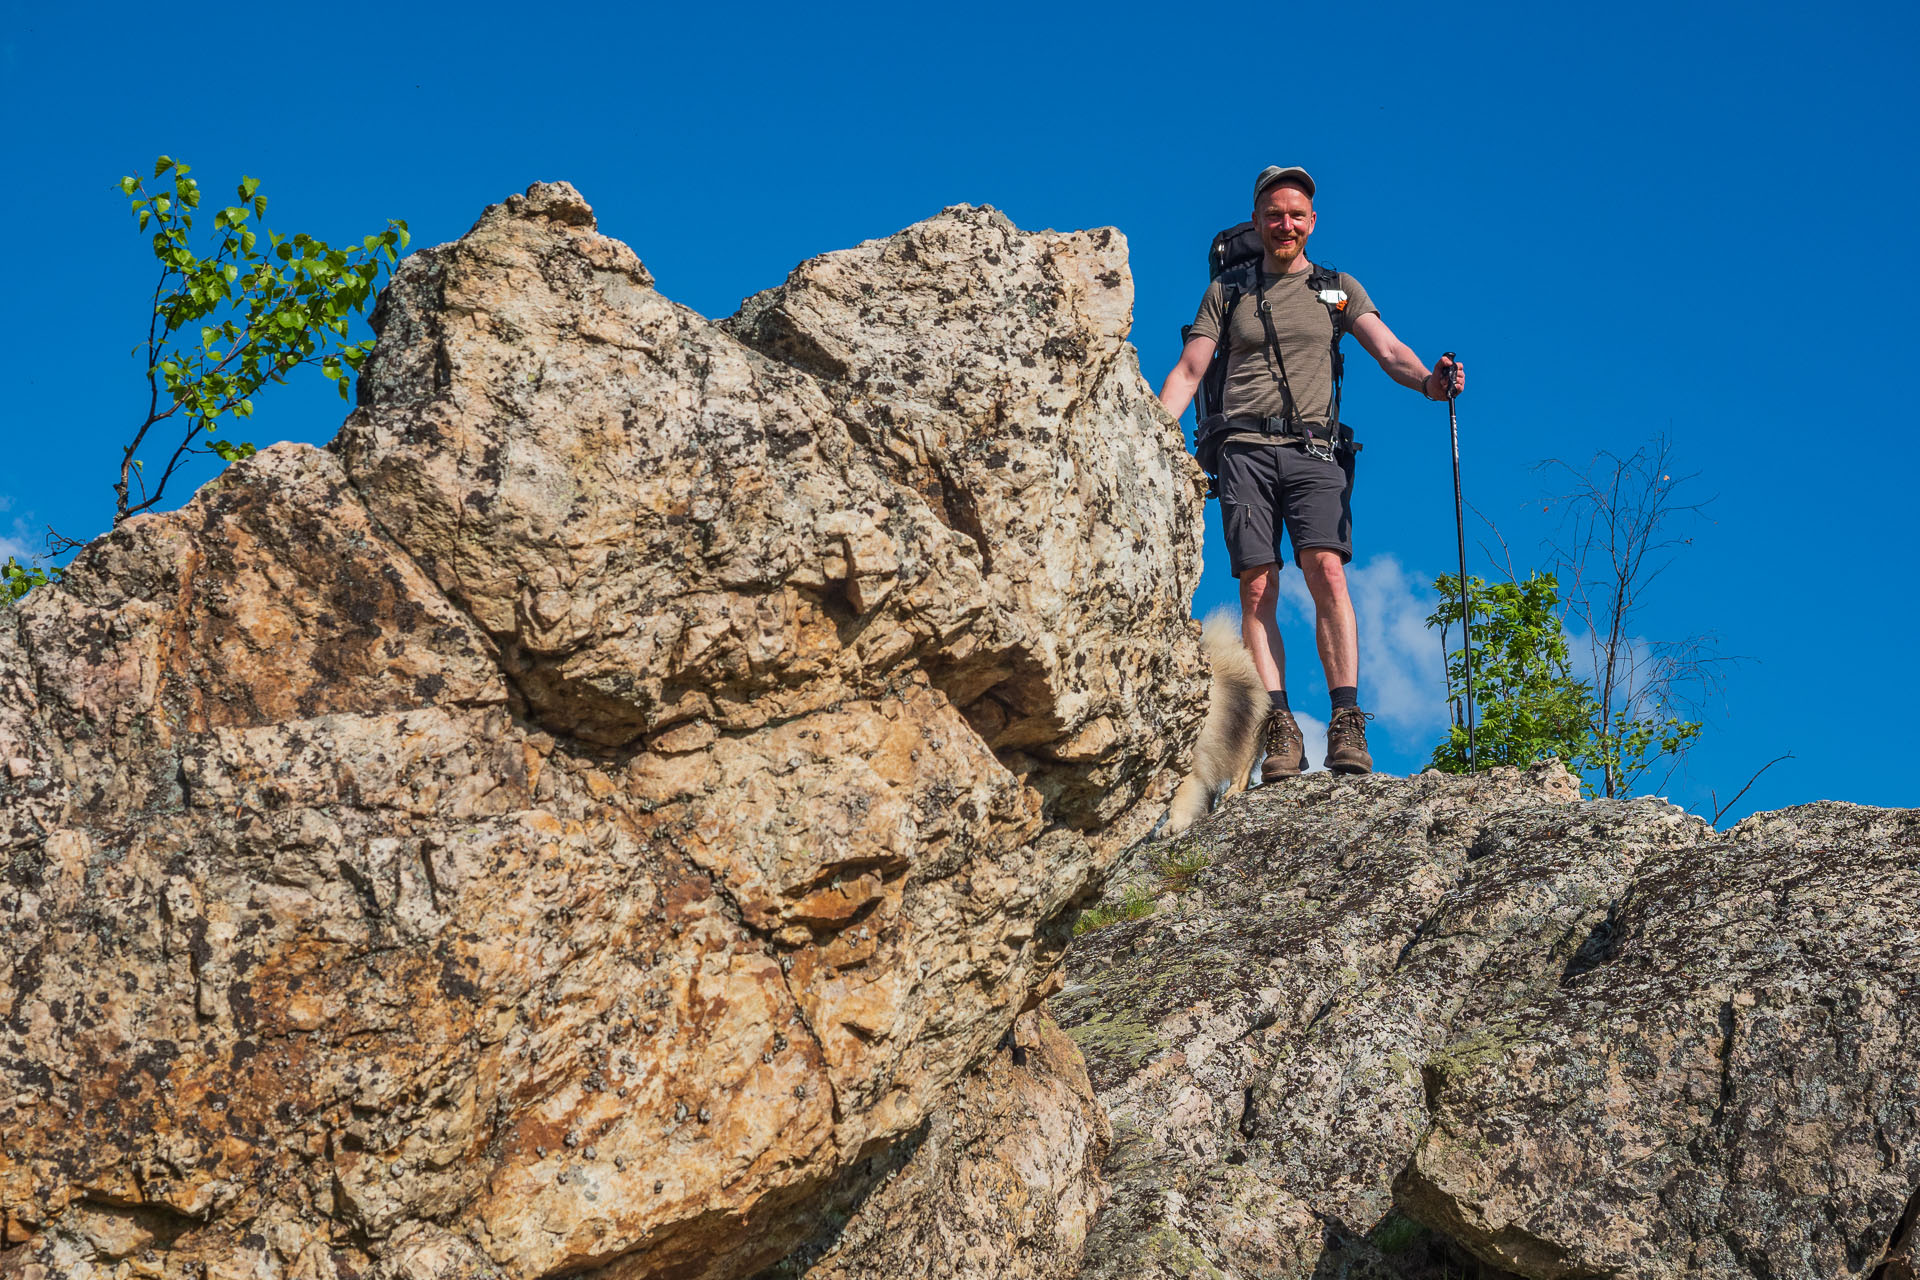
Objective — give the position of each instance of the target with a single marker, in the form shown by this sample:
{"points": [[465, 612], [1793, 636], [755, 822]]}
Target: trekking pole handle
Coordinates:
{"points": [[1447, 361]]}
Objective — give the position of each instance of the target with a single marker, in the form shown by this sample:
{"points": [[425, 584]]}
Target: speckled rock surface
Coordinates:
{"points": [[1576, 1039], [1002, 1182], [569, 823], [1729, 1085], [968, 372]]}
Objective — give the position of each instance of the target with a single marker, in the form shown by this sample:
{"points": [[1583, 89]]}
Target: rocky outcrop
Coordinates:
{"points": [[616, 791], [1727, 1081], [1572, 1039], [1002, 1183], [617, 811]]}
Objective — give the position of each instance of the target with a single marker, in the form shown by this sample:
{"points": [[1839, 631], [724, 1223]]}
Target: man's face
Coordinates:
{"points": [[1284, 216]]}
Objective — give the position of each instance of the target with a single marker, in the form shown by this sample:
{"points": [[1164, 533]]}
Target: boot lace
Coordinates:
{"points": [[1282, 731], [1348, 721]]}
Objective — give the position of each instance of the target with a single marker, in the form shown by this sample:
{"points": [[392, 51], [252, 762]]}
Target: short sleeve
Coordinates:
{"points": [[1358, 303], [1206, 321]]}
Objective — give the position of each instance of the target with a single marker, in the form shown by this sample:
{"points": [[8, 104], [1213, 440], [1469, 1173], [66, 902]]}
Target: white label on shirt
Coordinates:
{"points": [[1333, 296]]}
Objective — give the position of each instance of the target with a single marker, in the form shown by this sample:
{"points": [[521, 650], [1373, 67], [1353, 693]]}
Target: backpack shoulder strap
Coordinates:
{"points": [[1324, 280], [1235, 283]]}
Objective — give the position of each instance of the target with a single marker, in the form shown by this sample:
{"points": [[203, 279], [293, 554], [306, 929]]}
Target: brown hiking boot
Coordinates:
{"points": [[1286, 749], [1347, 741]]}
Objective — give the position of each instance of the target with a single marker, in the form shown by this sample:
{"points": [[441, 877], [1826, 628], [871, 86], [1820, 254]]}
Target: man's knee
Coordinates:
{"points": [[1325, 572], [1260, 589]]}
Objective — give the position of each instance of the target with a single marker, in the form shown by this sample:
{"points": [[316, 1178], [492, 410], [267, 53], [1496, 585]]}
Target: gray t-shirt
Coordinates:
{"points": [[1303, 327]]}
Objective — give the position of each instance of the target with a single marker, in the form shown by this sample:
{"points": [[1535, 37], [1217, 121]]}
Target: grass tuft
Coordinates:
{"points": [[1180, 866], [1135, 904]]}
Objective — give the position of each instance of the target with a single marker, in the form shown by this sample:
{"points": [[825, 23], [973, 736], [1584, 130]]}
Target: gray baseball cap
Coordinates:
{"points": [[1274, 173]]}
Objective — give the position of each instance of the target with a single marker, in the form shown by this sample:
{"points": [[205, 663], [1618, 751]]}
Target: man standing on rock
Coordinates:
{"points": [[1277, 466]]}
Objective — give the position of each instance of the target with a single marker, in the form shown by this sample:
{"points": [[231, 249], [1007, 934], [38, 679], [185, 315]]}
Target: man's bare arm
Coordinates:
{"points": [[1397, 358], [1176, 393]]}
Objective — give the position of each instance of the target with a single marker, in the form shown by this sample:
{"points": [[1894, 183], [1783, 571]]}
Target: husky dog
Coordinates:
{"points": [[1231, 737]]}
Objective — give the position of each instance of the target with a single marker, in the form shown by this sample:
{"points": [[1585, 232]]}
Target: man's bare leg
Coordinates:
{"points": [[1259, 597], [1285, 756], [1333, 626], [1340, 655]]}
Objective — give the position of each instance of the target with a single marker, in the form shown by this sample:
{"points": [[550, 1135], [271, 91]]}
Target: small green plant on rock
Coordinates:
{"points": [[1135, 904], [1397, 1234], [1180, 866]]}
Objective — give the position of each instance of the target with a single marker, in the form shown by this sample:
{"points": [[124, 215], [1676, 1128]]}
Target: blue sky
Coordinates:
{"points": [[1689, 219]]}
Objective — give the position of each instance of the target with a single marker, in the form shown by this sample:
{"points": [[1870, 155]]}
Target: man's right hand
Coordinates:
{"points": [[1176, 393]]}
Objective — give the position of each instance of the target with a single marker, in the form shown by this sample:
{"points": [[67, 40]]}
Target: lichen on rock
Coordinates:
{"points": [[1572, 1039]]}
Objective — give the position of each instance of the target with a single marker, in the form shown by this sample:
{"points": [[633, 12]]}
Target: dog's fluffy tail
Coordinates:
{"points": [[1230, 739]]}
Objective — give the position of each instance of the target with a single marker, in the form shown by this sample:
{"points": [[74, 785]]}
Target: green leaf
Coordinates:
{"points": [[161, 165], [129, 185]]}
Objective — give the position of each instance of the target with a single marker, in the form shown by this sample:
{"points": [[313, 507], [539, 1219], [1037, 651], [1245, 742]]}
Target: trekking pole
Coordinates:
{"points": [[1460, 528]]}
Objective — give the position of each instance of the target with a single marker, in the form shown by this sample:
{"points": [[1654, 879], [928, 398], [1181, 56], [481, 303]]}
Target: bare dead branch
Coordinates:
{"points": [[58, 544], [1721, 811], [1621, 527], [1506, 552]]}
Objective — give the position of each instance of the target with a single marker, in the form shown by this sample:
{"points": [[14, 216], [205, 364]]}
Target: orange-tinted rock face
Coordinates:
{"points": [[577, 817], [1003, 1181]]}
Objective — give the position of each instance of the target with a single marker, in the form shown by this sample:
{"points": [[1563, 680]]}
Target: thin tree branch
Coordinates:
{"points": [[1721, 811], [1506, 552], [153, 399]]}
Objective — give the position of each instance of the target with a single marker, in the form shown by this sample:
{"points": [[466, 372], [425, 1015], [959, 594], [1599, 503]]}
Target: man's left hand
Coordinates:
{"points": [[1436, 384]]}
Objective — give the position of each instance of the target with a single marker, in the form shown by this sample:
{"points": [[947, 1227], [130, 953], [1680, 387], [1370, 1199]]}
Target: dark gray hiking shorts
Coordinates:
{"points": [[1266, 486]]}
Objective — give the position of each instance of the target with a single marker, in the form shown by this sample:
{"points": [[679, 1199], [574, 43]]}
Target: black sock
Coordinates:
{"points": [[1346, 695], [1279, 697]]}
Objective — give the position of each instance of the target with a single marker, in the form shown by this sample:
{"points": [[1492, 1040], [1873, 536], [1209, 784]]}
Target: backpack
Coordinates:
{"points": [[1235, 259]]}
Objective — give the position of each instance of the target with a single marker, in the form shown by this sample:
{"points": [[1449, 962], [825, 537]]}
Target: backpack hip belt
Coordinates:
{"points": [[1322, 444], [1287, 429]]}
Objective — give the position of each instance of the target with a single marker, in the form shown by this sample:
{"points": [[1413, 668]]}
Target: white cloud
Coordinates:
{"points": [[1314, 731], [18, 542]]}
